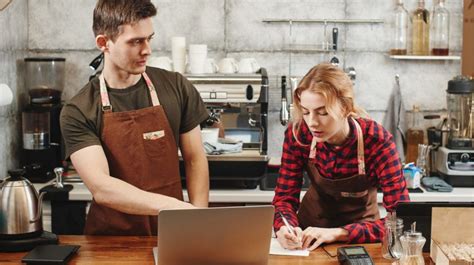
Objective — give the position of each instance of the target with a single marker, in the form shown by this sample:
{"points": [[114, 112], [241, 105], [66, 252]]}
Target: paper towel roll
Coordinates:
{"points": [[6, 95]]}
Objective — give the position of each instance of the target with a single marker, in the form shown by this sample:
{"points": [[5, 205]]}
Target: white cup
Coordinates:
{"points": [[248, 66], [228, 66], [6, 95], [162, 62], [197, 58], [210, 66], [178, 53]]}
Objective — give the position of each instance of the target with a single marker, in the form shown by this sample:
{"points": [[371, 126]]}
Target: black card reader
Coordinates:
{"points": [[356, 255]]}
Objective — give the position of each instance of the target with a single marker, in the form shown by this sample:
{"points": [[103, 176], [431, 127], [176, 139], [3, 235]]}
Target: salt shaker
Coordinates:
{"points": [[412, 244], [391, 246]]}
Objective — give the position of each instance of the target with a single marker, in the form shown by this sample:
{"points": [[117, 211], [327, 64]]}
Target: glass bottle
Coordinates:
{"points": [[421, 30], [415, 136], [399, 22], [391, 246], [440, 30], [412, 245]]}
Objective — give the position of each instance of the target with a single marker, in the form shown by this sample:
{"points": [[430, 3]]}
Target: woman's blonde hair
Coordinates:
{"points": [[335, 86]]}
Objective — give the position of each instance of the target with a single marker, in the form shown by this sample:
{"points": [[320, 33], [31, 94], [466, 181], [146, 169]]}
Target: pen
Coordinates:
{"points": [[290, 228]]}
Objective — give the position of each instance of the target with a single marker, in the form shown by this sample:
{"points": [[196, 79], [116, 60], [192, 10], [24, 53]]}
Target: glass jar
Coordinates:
{"points": [[391, 246], [414, 135], [421, 30], [412, 244], [440, 30], [399, 22]]}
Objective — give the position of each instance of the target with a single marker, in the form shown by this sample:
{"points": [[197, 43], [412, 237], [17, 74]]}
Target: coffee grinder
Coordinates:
{"points": [[41, 152], [455, 161]]}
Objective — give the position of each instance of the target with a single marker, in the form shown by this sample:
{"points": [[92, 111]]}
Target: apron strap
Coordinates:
{"points": [[154, 97], [360, 148], [104, 95]]}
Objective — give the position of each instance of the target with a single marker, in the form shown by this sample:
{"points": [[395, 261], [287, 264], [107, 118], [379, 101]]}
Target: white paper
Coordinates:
{"points": [[155, 255], [277, 249]]}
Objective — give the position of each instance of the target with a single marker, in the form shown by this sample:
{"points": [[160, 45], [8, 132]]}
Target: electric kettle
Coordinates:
{"points": [[20, 207]]}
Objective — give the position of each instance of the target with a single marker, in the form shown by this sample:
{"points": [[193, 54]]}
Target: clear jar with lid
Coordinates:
{"points": [[391, 246], [412, 244]]}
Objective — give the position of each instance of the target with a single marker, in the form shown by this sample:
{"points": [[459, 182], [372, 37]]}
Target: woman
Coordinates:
{"points": [[347, 158]]}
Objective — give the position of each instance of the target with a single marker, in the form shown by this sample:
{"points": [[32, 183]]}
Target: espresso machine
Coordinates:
{"points": [[41, 152], [455, 160], [240, 103]]}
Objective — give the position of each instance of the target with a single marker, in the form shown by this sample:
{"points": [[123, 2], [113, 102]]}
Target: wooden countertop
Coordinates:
{"points": [[138, 250]]}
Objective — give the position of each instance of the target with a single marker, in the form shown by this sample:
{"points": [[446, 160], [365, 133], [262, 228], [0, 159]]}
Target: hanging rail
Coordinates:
{"points": [[348, 21]]}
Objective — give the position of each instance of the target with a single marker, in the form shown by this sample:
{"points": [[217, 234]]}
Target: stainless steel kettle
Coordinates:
{"points": [[20, 206]]}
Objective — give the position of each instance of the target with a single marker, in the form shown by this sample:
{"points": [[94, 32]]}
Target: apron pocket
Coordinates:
{"points": [[359, 194], [156, 146]]}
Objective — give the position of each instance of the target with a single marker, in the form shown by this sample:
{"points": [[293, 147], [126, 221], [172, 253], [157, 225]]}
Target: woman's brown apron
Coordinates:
{"points": [[337, 202]]}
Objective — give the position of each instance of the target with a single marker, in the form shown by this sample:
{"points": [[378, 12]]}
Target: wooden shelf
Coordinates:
{"points": [[425, 57]]}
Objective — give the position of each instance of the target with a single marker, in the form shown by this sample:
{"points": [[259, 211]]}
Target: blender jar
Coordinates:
{"points": [[459, 102], [45, 79]]}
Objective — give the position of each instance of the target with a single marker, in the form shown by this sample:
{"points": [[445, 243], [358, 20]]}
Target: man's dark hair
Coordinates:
{"points": [[109, 15]]}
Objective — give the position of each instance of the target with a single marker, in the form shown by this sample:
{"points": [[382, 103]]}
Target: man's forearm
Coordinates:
{"points": [[127, 198], [197, 179]]}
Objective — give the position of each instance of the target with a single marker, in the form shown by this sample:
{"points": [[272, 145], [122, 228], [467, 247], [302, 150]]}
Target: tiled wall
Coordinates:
{"points": [[233, 28]]}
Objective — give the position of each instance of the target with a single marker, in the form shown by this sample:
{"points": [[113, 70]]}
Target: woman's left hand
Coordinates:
{"points": [[313, 237]]}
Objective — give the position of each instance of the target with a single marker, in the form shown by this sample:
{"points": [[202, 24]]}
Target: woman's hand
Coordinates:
{"points": [[288, 240], [313, 237]]}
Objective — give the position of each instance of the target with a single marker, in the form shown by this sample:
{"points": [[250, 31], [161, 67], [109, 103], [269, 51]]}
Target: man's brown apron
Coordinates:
{"points": [[141, 150], [337, 202]]}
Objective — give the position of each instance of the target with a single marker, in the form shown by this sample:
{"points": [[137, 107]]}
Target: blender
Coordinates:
{"points": [[41, 152], [455, 161]]}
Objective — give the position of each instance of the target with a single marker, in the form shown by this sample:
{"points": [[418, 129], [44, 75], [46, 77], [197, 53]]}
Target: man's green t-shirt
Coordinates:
{"points": [[81, 117]]}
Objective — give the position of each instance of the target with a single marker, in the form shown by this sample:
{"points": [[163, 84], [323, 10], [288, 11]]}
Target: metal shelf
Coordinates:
{"points": [[425, 57], [325, 21]]}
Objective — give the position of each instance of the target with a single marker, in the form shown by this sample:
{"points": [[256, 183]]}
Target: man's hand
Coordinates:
{"points": [[313, 237]]}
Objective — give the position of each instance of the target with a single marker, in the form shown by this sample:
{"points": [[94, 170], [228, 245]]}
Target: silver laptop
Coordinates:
{"points": [[211, 236]]}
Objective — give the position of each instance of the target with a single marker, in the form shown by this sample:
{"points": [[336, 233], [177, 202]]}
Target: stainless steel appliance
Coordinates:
{"points": [[455, 161], [240, 102], [21, 226], [41, 151]]}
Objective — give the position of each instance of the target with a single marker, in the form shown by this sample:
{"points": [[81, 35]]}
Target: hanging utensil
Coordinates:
{"points": [[284, 115], [334, 60]]}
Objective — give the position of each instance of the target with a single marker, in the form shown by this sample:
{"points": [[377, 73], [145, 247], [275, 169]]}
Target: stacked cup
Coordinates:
{"points": [[197, 58], [178, 54]]}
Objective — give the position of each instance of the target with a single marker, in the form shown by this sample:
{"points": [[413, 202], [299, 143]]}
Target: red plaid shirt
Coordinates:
{"points": [[383, 169]]}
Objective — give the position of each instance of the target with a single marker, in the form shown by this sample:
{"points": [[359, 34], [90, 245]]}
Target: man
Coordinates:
{"points": [[123, 129]]}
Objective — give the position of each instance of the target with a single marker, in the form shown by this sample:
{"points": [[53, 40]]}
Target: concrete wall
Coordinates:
{"points": [[234, 28], [13, 47]]}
